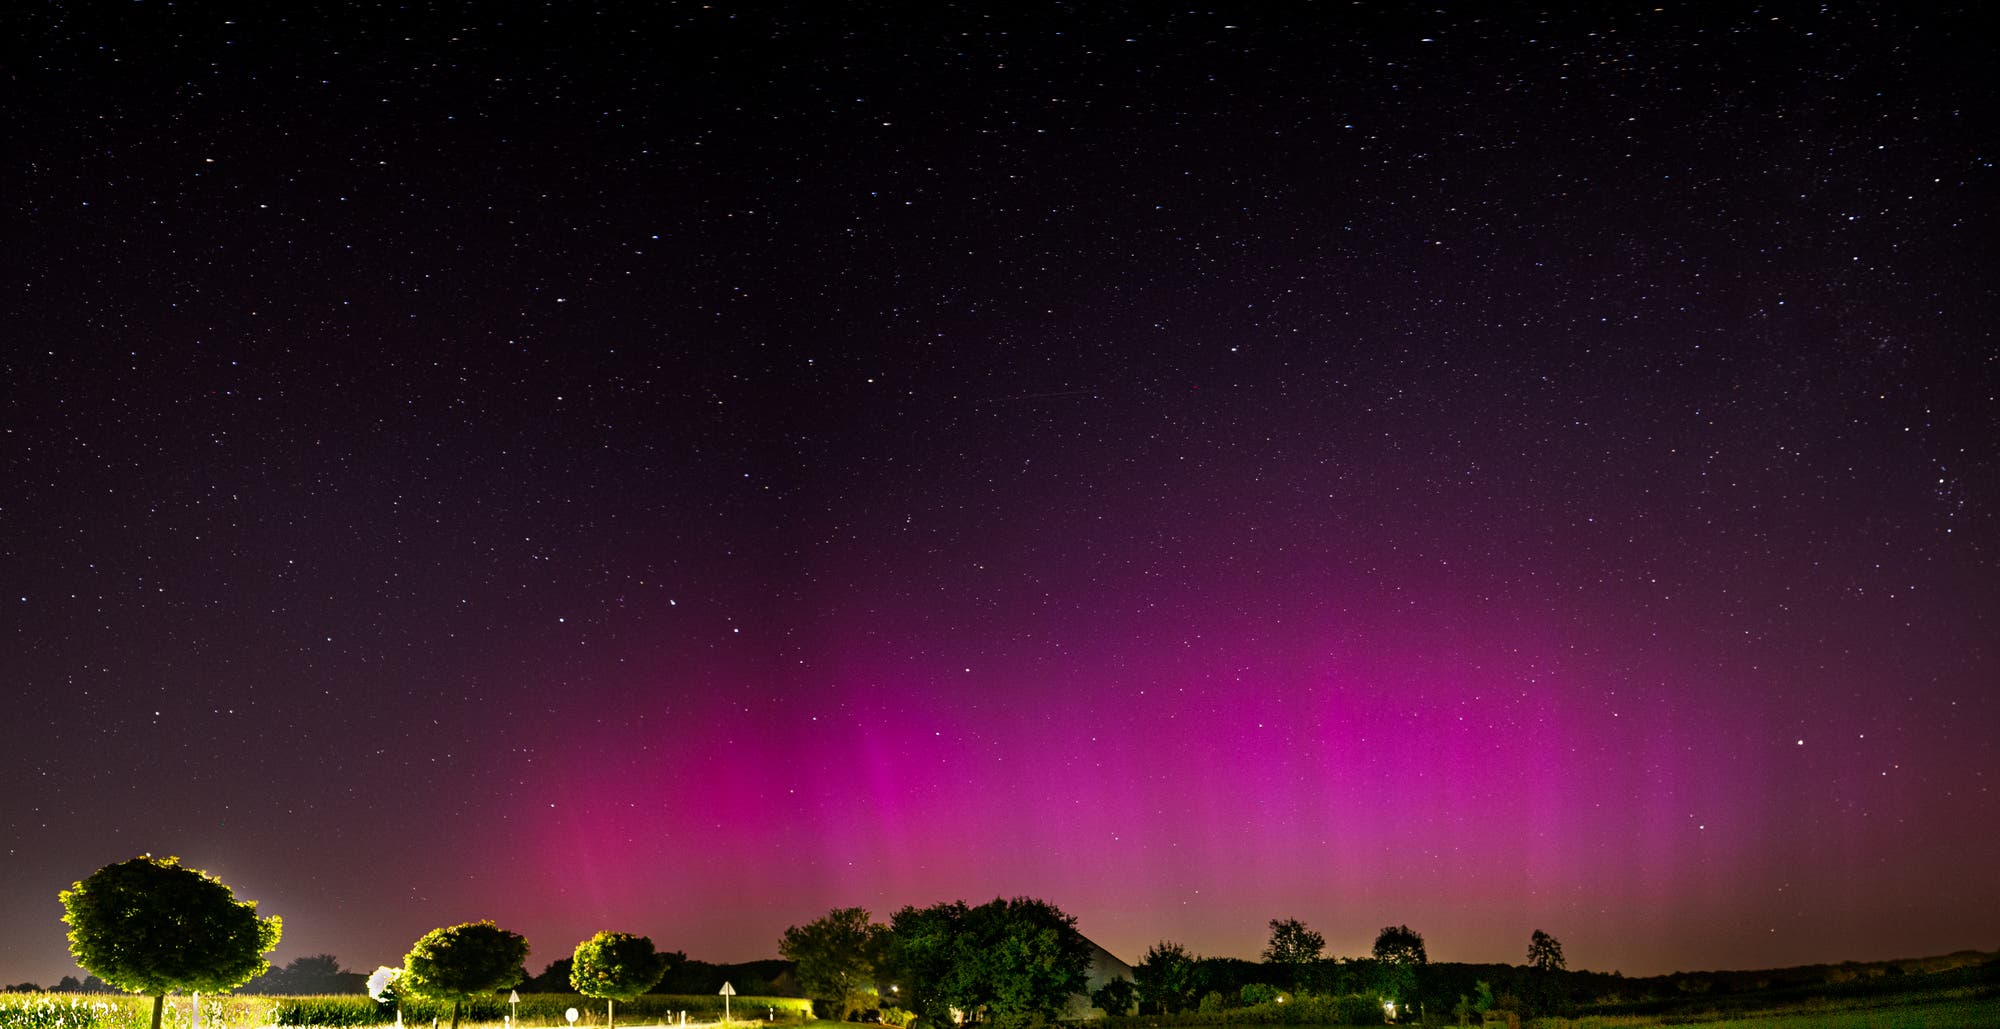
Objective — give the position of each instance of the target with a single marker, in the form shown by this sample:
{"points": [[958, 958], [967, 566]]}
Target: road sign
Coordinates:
{"points": [[727, 992]]}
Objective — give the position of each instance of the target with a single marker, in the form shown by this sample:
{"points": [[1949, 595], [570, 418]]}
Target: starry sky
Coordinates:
{"points": [[679, 468]]}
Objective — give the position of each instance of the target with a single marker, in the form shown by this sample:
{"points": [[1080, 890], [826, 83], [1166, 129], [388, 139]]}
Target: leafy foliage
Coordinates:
{"points": [[459, 963], [922, 956], [1253, 994], [835, 955], [1165, 976], [1115, 997], [1007, 962], [152, 926], [616, 966]]}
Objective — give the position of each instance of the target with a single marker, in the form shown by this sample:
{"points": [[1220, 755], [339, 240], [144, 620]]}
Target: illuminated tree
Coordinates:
{"points": [[1545, 952], [459, 963], [835, 955], [150, 926], [615, 966]]}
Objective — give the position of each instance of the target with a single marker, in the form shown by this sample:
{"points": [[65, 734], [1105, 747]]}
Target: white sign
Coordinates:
{"points": [[728, 990], [513, 997], [571, 1015]]}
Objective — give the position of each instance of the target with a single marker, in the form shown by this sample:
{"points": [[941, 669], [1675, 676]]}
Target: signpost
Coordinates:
{"points": [[728, 991], [513, 1002]]}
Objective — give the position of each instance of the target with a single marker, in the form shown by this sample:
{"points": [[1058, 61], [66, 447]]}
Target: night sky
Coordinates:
{"points": [[683, 468]]}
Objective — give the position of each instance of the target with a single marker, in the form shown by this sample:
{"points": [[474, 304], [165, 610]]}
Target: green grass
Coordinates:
{"points": [[249, 1011]]}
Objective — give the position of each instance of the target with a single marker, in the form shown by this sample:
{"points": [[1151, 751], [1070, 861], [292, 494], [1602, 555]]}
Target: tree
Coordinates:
{"points": [[1020, 961], [615, 966], [319, 973], [1293, 946], [1115, 997], [462, 962], [1007, 962], [1475, 1004], [835, 955], [1253, 994], [1165, 976], [555, 978], [1399, 944], [1545, 953], [922, 956], [152, 926]]}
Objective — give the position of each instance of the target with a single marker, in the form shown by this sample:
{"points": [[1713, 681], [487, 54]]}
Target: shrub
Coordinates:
{"points": [[1254, 994], [1355, 1009]]}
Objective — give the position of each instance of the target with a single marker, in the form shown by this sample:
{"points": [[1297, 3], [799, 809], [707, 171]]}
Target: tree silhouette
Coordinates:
{"points": [[1293, 946], [1545, 952], [1400, 944]]}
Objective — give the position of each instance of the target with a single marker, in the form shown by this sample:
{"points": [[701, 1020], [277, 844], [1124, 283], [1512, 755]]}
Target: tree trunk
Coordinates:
{"points": [[454, 1015], [159, 1006]]}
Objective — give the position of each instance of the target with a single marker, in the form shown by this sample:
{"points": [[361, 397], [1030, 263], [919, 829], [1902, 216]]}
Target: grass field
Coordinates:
{"points": [[536, 1010]]}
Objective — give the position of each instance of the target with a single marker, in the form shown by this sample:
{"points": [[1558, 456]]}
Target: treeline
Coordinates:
{"points": [[321, 975], [771, 977], [1297, 984]]}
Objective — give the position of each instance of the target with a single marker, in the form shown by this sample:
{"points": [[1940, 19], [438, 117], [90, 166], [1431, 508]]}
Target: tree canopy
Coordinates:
{"points": [[1400, 944], [1545, 952], [835, 955], [151, 926], [1293, 946], [1005, 963], [461, 962], [615, 966], [1115, 997], [1165, 976]]}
